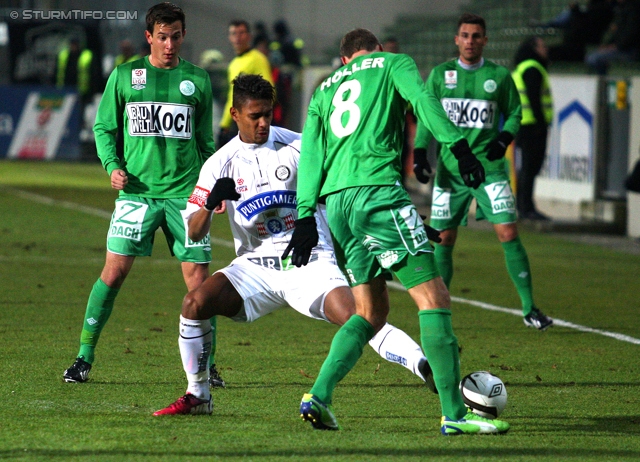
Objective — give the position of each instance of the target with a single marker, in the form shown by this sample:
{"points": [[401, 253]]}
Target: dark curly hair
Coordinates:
{"points": [[251, 86]]}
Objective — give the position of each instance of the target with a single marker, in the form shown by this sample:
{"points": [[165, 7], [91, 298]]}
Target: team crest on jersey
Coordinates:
{"points": [[283, 173], [490, 86], [187, 88], [138, 79], [451, 79], [275, 225]]}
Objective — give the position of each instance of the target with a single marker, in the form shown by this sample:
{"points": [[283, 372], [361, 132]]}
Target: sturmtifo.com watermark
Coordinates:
{"points": [[73, 14]]}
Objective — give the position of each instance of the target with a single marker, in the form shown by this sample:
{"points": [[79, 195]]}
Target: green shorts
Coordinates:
{"points": [[134, 223], [376, 229], [451, 200]]}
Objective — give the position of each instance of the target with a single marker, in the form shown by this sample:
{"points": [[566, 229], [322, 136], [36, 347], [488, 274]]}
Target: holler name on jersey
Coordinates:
{"points": [[266, 176]]}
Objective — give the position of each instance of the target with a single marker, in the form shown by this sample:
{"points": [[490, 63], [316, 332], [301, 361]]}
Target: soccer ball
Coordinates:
{"points": [[484, 393]]}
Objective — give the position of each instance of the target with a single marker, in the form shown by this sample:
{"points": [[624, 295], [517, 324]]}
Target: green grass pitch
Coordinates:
{"points": [[573, 395]]}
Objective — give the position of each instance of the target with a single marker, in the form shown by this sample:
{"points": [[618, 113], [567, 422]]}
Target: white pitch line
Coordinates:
{"points": [[96, 212], [394, 285], [556, 322]]}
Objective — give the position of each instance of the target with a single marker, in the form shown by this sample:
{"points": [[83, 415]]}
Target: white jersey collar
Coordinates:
{"points": [[471, 67]]}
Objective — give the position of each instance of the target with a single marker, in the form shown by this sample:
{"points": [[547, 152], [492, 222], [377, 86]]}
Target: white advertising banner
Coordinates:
{"points": [[42, 125], [568, 173]]}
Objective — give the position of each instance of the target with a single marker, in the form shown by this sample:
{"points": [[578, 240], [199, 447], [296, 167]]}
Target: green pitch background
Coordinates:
{"points": [[572, 395]]}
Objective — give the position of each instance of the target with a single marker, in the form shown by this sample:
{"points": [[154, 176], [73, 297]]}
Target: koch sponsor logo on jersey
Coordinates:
{"points": [[266, 201], [138, 79], [160, 119], [350, 69], [470, 113], [199, 196]]}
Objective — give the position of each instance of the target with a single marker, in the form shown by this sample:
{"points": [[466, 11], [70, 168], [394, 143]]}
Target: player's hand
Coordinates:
{"points": [[119, 179], [470, 167], [498, 147], [303, 240], [224, 189], [421, 166], [433, 234]]}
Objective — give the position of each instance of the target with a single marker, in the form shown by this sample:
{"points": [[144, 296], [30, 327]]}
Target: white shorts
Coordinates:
{"points": [[265, 288]]}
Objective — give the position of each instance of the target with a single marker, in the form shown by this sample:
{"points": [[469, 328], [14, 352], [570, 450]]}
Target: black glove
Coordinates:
{"points": [[421, 166], [303, 240], [470, 167], [433, 234], [498, 147], [225, 188]]}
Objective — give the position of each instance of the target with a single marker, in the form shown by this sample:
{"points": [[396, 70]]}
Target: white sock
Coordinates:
{"points": [[195, 348], [396, 346]]}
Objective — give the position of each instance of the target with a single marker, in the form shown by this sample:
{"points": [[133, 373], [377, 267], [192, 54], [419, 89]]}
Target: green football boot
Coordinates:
{"points": [[471, 424], [318, 413]]}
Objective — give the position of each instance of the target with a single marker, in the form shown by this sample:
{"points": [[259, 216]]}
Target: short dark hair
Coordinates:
{"points": [[470, 18], [164, 13], [240, 22], [251, 86], [356, 40]]}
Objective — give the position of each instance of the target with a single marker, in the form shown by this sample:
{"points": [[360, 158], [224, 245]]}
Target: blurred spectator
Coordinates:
{"points": [[248, 61], [145, 50], [532, 81], [581, 27], [391, 45], [620, 41], [287, 60], [127, 53], [261, 43], [76, 67]]}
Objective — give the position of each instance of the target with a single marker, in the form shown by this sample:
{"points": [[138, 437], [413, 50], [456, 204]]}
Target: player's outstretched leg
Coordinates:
{"points": [[313, 410], [215, 380], [396, 346], [472, 424], [195, 344]]}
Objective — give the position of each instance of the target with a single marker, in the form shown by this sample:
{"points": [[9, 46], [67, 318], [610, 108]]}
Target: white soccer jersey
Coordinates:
{"points": [[266, 175]]}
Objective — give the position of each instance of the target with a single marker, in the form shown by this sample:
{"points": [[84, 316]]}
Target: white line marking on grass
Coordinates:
{"points": [[394, 285], [96, 212], [556, 322]]}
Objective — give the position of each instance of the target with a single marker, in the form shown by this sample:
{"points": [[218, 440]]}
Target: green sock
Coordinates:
{"points": [[214, 325], [346, 349], [444, 261], [440, 345], [518, 267], [99, 309]]}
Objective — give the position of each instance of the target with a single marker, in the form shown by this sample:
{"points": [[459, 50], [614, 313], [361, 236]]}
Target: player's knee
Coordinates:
{"points": [[192, 307]]}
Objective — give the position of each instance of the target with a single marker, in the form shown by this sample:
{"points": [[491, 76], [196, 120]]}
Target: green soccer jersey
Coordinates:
{"points": [[475, 100], [166, 117], [353, 133]]}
